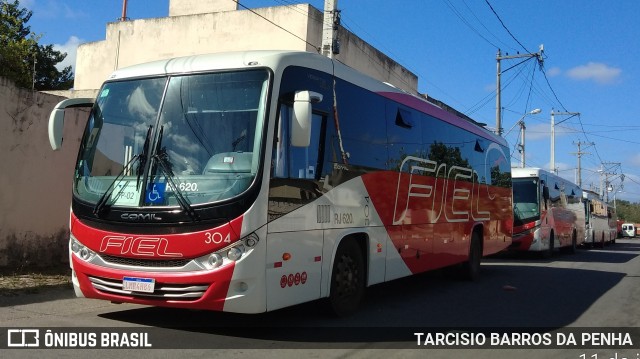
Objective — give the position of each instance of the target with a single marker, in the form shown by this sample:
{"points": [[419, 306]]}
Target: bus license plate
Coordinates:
{"points": [[145, 285]]}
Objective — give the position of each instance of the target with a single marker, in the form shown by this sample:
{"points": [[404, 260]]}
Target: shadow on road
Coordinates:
{"points": [[611, 253], [506, 296]]}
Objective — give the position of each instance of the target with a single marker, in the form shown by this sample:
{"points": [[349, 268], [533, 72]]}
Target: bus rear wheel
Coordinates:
{"points": [[347, 279], [470, 269], [548, 253], [571, 249]]}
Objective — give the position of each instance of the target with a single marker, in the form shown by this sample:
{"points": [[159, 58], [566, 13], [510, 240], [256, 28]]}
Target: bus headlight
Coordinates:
{"points": [[235, 253], [215, 260], [81, 251], [231, 253]]}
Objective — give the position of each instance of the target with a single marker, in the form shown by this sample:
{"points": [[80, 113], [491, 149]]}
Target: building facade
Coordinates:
{"points": [[210, 26]]}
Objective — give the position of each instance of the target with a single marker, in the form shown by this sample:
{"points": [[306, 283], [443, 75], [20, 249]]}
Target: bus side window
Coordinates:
{"points": [[297, 162]]}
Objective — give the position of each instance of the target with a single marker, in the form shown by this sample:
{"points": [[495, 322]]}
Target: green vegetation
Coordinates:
{"points": [[20, 53], [627, 211]]}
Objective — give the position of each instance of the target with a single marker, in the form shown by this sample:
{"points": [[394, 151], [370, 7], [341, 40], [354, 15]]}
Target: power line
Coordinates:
{"points": [[466, 22], [278, 26], [505, 26], [551, 88]]}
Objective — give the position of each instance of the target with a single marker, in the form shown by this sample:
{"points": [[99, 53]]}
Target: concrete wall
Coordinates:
{"points": [[190, 7], [35, 182], [133, 42]]}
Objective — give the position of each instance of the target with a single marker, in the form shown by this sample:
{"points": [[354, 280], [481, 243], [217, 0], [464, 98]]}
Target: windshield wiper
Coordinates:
{"points": [[162, 158], [142, 157]]}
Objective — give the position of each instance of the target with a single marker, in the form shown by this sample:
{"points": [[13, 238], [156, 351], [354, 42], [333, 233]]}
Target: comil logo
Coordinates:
{"points": [[23, 338]]}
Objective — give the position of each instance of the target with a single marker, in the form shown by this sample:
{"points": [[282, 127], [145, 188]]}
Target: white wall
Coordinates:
{"points": [[35, 182], [133, 42]]}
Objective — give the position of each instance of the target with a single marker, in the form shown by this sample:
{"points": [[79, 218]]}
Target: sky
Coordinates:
{"points": [[590, 66]]}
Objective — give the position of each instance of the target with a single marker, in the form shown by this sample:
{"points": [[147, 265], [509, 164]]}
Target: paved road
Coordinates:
{"points": [[594, 288]]}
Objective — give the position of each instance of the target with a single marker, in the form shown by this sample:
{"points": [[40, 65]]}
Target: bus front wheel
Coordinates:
{"points": [[347, 279]]}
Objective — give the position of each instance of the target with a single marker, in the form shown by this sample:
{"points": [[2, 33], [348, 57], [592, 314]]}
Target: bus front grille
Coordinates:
{"points": [[146, 263], [162, 290]]}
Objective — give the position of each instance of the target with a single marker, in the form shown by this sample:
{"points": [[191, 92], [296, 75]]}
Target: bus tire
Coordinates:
{"points": [[601, 244], [549, 252], [347, 279], [471, 268], [590, 242], [574, 243]]}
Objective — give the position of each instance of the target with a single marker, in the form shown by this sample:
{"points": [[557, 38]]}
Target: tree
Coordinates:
{"points": [[48, 77], [20, 52]]}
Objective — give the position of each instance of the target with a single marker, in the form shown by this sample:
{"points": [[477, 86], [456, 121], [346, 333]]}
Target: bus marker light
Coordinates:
{"points": [[277, 265], [286, 256], [251, 241]]}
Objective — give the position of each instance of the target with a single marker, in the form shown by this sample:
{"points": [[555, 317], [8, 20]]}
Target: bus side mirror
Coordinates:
{"points": [[301, 121], [56, 119]]}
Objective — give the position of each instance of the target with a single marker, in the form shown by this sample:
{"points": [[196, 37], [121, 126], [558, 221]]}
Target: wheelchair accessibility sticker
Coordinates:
{"points": [[155, 193]]}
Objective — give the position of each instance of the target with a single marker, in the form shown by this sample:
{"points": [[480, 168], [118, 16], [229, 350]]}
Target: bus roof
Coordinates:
{"points": [[528, 172], [533, 172], [274, 59]]}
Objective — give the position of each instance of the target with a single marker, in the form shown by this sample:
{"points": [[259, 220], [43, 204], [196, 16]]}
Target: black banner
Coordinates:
{"points": [[318, 338]]}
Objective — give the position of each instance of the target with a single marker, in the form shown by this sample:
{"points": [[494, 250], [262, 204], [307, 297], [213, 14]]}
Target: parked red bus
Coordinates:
{"points": [[548, 212], [247, 182]]}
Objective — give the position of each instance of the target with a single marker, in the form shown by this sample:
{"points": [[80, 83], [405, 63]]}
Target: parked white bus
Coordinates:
{"points": [[247, 182], [600, 220], [548, 212]]}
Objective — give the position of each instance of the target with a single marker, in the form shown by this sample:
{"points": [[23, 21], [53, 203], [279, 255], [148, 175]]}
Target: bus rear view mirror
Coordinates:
{"points": [[302, 113], [56, 119]]}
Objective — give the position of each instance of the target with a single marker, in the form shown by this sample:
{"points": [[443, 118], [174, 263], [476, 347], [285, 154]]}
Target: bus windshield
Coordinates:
{"points": [[526, 207], [174, 140]]}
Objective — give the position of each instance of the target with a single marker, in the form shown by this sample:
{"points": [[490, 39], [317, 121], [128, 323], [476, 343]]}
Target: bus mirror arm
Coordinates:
{"points": [[56, 119], [301, 121], [545, 195]]}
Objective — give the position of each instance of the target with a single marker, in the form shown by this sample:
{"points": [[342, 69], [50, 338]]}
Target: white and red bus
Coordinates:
{"points": [[548, 212], [600, 219], [247, 182]]}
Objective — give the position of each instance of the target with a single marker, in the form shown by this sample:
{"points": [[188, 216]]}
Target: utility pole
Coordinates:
{"points": [[499, 72], [520, 123], [579, 154], [33, 82], [553, 135], [330, 24], [611, 170], [521, 145]]}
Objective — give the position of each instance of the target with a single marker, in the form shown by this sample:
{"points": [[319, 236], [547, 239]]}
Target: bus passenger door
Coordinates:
{"points": [[295, 238]]}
